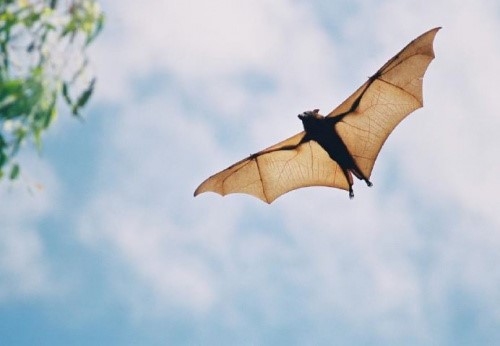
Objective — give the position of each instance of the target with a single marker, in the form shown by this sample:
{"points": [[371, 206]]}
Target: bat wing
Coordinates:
{"points": [[373, 111], [283, 167], [367, 118]]}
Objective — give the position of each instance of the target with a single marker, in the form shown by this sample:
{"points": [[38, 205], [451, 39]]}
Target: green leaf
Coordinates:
{"points": [[5, 53], [50, 113], [14, 172], [84, 97], [32, 18], [97, 30], [65, 93], [9, 87], [37, 137], [3, 159], [6, 103], [3, 143], [19, 136]]}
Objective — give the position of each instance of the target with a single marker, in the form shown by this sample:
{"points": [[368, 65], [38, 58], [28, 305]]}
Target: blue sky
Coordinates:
{"points": [[115, 250]]}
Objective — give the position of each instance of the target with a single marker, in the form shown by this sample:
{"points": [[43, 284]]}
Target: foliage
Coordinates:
{"points": [[42, 59]]}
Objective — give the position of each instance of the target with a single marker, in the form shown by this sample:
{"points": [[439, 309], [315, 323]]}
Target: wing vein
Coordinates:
{"points": [[261, 180], [402, 89]]}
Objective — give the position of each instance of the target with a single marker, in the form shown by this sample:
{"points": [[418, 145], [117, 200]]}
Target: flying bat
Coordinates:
{"points": [[346, 142]]}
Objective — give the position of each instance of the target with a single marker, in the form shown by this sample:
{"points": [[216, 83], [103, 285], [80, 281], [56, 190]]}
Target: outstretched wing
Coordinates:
{"points": [[393, 92], [283, 167], [368, 117]]}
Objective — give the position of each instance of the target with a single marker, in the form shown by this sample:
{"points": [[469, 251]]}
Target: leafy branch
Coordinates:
{"points": [[42, 59]]}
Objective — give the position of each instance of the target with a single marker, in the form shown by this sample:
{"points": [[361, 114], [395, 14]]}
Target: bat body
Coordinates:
{"points": [[346, 142], [323, 131]]}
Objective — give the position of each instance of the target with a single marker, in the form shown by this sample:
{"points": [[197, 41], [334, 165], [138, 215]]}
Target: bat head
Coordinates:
{"points": [[311, 119], [310, 115]]}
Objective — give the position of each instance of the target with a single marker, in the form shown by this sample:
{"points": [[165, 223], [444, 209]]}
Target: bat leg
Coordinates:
{"points": [[348, 176], [357, 172]]}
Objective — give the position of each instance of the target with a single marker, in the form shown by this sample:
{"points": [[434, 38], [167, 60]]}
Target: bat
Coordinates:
{"points": [[346, 142]]}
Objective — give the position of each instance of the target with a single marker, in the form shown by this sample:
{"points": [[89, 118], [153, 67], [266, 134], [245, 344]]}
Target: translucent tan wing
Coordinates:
{"points": [[276, 170], [369, 116], [384, 101]]}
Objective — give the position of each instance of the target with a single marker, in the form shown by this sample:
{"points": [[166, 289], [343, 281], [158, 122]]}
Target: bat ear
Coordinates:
{"points": [[316, 111]]}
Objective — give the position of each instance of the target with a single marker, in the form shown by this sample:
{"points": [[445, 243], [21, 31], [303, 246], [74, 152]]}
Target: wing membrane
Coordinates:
{"points": [[392, 93], [367, 118], [278, 169]]}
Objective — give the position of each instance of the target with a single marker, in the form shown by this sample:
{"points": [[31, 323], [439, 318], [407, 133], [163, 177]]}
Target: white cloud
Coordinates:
{"points": [[22, 264], [134, 213], [24, 267], [206, 45], [155, 253]]}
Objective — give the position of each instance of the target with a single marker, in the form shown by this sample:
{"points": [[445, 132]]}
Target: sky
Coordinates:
{"points": [[102, 242]]}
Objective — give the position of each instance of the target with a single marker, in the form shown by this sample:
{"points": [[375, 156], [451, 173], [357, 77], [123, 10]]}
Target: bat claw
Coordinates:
{"points": [[369, 183], [351, 194]]}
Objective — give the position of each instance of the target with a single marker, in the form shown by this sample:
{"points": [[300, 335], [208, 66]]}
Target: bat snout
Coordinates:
{"points": [[305, 115]]}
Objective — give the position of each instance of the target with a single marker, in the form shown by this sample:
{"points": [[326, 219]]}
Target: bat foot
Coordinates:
{"points": [[351, 194], [369, 183]]}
